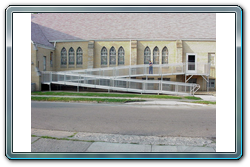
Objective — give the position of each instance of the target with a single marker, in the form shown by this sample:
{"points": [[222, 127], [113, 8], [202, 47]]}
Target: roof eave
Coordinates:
{"points": [[43, 46], [137, 39]]}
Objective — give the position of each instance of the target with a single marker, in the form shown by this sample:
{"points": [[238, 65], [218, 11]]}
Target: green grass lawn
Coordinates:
{"points": [[204, 102], [99, 100], [93, 94]]}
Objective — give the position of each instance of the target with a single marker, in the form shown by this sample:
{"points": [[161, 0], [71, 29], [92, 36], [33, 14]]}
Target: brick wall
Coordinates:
{"points": [[92, 55]]}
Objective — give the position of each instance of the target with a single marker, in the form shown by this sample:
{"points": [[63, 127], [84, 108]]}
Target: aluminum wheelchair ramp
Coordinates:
{"points": [[119, 79]]}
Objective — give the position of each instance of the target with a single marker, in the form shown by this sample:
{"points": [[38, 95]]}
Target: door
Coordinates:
{"points": [[44, 63], [191, 63]]}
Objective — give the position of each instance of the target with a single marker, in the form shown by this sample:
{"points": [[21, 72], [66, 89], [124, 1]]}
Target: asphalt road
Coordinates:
{"points": [[172, 121]]}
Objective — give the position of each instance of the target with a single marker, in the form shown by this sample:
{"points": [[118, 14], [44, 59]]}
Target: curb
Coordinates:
{"points": [[168, 103]]}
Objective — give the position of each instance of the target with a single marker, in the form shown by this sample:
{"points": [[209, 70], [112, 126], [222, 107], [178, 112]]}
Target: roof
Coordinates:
{"points": [[138, 26], [38, 37]]}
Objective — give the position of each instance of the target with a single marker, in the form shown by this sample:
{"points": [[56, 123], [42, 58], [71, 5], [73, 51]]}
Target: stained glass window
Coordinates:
{"points": [[71, 56], [112, 56], [79, 56], [147, 55], [121, 54], [104, 54], [156, 55], [63, 56], [165, 55]]}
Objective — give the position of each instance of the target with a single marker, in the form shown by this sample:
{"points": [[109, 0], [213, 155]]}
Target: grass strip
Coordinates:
{"points": [[192, 98], [68, 99], [204, 102], [106, 95]]}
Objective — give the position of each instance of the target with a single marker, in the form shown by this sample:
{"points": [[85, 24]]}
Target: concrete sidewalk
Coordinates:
{"points": [[206, 97], [64, 141]]}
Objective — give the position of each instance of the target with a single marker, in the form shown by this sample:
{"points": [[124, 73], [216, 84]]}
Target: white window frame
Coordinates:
{"points": [[210, 80], [191, 71]]}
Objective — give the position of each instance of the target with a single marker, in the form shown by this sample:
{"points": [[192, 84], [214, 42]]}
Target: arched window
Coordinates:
{"points": [[165, 55], [121, 54], [156, 55], [147, 55], [104, 54], [79, 56], [71, 56], [112, 56], [63, 56]]}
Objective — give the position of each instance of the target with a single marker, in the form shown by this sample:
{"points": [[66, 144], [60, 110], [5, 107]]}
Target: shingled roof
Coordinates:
{"points": [[138, 26], [38, 37]]}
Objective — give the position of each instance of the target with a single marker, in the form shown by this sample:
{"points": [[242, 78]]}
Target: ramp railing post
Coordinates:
{"points": [[50, 80], [78, 83], [64, 79], [103, 76], [50, 77]]}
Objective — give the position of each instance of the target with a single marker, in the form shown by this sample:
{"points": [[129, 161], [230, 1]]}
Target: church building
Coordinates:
{"points": [[75, 41]]}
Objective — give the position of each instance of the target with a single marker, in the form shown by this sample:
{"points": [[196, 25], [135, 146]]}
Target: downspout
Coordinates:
{"points": [[54, 66]]}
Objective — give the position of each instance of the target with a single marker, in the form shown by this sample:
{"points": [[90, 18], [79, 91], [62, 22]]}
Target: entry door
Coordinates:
{"points": [[191, 62]]}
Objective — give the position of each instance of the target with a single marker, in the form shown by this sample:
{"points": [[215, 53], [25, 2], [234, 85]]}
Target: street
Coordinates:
{"points": [[126, 119]]}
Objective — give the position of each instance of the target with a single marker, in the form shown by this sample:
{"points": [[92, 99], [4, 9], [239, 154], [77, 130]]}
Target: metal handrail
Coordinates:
{"points": [[107, 78], [175, 68]]}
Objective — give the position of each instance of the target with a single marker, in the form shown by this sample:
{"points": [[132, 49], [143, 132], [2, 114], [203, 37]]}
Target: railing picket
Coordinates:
{"points": [[116, 77]]}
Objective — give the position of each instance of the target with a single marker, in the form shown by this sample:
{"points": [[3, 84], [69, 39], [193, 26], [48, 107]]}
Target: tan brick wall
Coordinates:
{"points": [[37, 57], [108, 44], [34, 78], [179, 56], [201, 48], [91, 48], [41, 53], [133, 52], [92, 55], [68, 45], [171, 45]]}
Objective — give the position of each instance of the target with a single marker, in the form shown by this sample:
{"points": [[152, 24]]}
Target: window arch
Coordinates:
{"points": [[121, 54], [79, 56], [104, 54], [112, 56], [165, 55], [63, 56], [71, 56], [147, 55], [156, 55]]}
